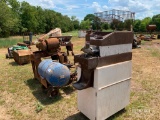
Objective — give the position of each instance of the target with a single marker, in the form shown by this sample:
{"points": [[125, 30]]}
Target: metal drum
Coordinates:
{"points": [[55, 73], [151, 27]]}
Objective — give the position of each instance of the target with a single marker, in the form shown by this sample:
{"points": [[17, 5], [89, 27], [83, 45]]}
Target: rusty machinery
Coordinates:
{"points": [[51, 47], [93, 54], [104, 74], [150, 29]]}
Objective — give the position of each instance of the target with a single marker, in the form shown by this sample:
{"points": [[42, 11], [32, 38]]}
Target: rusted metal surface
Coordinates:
{"points": [[52, 43], [49, 44], [51, 47], [91, 59], [65, 41], [114, 38], [86, 79], [93, 62], [22, 56], [151, 27], [42, 46], [36, 58]]}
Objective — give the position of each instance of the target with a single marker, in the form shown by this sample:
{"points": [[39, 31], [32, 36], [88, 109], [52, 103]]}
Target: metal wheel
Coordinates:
{"points": [[52, 91]]}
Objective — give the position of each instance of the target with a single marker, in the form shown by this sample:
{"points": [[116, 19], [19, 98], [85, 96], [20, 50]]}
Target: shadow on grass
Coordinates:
{"points": [[80, 116], [13, 63], [116, 115], [68, 90], [77, 116], [41, 93]]}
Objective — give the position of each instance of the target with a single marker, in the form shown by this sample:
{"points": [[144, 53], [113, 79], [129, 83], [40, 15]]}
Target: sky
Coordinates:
{"points": [[80, 8]]}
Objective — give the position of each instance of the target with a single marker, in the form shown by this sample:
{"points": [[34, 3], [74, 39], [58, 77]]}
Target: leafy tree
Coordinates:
{"points": [[89, 17], [50, 20], [15, 7], [40, 16], [146, 21], [66, 24], [115, 24], [7, 19], [128, 23], [136, 25], [156, 21], [85, 24], [105, 26], [142, 27], [75, 22], [95, 22], [28, 16]]}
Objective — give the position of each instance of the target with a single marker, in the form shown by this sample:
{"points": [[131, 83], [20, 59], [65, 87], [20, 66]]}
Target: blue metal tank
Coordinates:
{"points": [[55, 73]]}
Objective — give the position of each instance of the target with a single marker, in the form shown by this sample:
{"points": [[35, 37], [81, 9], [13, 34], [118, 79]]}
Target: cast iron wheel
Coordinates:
{"points": [[52, 91]]}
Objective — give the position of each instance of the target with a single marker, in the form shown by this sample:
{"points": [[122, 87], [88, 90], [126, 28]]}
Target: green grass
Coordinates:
{"points": [[73, 33], [143, 42], [155, 53], [8, 42], [23, 99], [109, 30]]}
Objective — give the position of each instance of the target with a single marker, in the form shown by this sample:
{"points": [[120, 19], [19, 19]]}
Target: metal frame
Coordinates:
{"points": [[121, 15]]}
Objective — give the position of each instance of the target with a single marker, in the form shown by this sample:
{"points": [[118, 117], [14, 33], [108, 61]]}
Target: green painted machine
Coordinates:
{"points": [[13, 48]]}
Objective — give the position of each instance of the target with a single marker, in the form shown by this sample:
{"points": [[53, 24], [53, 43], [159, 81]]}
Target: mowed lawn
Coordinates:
{"points": [[21, 96]]}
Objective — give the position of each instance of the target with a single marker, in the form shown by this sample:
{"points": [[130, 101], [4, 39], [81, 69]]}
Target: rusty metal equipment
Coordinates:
{"points": [[27, 41], [104, 74], [56, 33], [151, 28], [22, 56], [13, 48], [27, 38], [136, 42], [93, 55], [55, 74], [51, 47]]}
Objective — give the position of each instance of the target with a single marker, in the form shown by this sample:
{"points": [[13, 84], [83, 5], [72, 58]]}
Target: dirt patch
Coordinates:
{"points": [[4, 50], [4, 114]]}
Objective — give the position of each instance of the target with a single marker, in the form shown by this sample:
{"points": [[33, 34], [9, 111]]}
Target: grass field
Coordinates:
{"points": [[22, 98], [7, 42]]}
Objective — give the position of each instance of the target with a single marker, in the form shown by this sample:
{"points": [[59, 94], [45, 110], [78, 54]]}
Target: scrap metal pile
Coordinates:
{"points": [[21, 52], [55, 72]]}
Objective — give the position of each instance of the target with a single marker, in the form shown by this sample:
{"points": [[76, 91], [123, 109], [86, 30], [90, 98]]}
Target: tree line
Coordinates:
{"points": [[138, 25], [20, 17], [17, 18]]}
